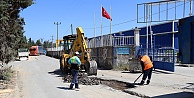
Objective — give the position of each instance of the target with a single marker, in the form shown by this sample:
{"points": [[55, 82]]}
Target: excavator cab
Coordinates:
{"points": [[73, 43], [68, 41]]}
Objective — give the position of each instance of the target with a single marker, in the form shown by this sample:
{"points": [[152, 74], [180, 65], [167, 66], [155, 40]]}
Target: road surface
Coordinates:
{"points": [[40, 77]]}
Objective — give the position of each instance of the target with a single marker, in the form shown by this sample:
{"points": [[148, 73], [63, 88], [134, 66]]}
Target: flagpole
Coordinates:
{"points": [[110, 26], [101, 29], [94, 30]]}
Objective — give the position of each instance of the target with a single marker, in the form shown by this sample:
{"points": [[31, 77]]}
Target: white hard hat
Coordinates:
{"points": [[76, 52]]}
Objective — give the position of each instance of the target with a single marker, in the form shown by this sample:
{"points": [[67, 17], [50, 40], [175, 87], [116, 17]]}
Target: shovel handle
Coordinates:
{"points": [[138, 77]]}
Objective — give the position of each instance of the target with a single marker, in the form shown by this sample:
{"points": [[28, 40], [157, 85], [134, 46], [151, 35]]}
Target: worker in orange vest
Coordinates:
{"points": [[147, 68]]}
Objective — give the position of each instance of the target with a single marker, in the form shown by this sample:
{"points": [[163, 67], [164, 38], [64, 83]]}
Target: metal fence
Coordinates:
{"points": [[164, 55], [109, 40]]}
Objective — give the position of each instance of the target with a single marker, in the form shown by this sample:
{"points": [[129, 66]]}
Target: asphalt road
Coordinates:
{"points": [[40, 77]]}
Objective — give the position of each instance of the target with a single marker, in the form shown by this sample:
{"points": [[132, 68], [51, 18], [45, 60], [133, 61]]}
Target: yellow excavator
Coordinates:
{"points": [[73, 43]]}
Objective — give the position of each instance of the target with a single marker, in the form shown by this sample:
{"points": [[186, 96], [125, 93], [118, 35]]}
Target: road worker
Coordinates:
{"points": [[147, 68], [74, 66]]}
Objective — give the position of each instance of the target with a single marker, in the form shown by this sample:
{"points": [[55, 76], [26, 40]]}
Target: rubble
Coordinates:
{"points": [[83, 79], [93, 80]]}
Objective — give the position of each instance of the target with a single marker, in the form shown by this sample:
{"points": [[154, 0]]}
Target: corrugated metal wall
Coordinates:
{"points": [[162, 37], [108, 55], [186, 37]]}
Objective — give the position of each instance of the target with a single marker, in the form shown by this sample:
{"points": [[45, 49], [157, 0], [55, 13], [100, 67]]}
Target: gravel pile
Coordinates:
{"points": [[83, 79]]}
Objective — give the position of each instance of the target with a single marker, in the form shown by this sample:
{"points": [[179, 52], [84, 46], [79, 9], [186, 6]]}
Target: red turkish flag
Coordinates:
{"points": [[105, 14]]}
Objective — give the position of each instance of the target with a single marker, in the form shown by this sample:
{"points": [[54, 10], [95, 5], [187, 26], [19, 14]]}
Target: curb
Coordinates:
{"points": [[185, 65], [135, 93]]}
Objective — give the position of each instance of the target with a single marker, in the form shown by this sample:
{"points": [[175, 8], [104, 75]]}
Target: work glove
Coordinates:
{"points": [[79, 68], [143, 71]]}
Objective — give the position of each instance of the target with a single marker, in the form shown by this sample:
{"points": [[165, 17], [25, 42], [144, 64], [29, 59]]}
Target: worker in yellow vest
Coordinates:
{"points": [[147, 68]]}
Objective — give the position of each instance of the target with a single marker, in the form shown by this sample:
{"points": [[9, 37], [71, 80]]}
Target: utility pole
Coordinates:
{"points": [[41, 39], [57, 23], [52, 46], [71, 29]]}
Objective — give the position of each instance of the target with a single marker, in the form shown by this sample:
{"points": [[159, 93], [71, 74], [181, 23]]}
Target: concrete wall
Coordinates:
{"points": [[109, 57], [103, 56]]}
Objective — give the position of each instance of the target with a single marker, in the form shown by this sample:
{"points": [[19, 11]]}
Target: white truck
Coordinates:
{"points": [[23, 54]]}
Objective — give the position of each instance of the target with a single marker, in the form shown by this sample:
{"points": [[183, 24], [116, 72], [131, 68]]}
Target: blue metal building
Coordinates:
{"points": [[165, 35], [159, 41]]}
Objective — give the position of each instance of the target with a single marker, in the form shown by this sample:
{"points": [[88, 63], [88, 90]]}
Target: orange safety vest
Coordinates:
{"points": [[147, 62]]}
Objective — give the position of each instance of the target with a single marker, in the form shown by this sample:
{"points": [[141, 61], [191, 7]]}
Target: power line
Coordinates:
{"points": [[116, 24], [76, 6], [170, 8], [136, 19], [68, 29]]}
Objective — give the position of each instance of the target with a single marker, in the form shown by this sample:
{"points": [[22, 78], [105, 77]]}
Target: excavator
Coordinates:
{"points": [[73, 43]]}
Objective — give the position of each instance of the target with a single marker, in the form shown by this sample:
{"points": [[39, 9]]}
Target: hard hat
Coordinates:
{"points": [[76, 52]]}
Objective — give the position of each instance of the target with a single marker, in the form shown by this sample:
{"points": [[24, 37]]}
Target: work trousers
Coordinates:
{"points": [[74, 78], [147, 73]]}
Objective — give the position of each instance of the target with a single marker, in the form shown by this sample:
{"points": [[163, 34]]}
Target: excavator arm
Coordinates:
{"points": [[80, 44]]}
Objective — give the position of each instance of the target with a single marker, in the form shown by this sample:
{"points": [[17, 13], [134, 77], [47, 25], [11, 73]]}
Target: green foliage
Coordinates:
{"points": [[11, 28], [30, 43], [6, 73], [38, 43]]}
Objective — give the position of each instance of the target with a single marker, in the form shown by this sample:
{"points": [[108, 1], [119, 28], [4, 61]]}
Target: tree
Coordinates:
{"points": [[11, 27], [38, 43], [23, 42], [30, 43], [46, 44]]}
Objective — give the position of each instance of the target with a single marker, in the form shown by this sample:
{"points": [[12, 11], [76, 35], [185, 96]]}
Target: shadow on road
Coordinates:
{"points": [[177, 95], [57, 72], [64, 88], [189, 86], [133, 72]]}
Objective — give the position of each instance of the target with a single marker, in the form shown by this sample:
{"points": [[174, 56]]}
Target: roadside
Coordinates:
{"points": [[40, 77], [8, 86], [178, 84]]}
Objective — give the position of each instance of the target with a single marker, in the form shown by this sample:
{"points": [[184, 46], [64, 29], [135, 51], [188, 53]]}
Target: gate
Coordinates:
{"points": [[163, 59]]}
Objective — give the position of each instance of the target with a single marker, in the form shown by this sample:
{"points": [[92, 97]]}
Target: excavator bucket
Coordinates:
{"points": [[91, 67]]}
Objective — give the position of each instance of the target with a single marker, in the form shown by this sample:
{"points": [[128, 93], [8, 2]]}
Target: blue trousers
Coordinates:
{"points": [[74, 78], [147, 73]]}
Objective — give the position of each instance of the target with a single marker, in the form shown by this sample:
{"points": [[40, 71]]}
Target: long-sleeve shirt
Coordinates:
{"points": [[74, 60]]}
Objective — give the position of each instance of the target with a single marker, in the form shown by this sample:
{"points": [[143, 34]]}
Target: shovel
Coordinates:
{"points": [[138, 77]]}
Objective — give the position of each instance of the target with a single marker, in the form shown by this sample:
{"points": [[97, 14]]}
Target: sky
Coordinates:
{"points": [[40, 17]]}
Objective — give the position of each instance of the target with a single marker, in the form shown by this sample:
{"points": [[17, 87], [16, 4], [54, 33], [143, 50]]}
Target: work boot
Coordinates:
{"points": [[148, 82], [76, 86], [71, 86], [142, 82]]}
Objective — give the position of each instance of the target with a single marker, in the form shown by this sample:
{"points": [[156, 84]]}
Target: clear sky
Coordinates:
{"points": [[40, 17]]}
